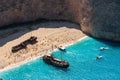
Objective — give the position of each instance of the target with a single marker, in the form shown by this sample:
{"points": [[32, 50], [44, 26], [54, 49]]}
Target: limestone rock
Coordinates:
{"points": [[99, 18]]}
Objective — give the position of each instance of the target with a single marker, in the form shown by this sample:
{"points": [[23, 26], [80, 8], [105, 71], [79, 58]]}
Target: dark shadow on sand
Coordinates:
{"points": [[34, 25]]}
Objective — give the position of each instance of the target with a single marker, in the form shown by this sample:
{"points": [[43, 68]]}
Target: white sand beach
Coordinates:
{"points": [[48, 34]]}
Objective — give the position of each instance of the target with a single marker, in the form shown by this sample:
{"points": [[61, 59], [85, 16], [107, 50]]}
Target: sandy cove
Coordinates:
{"points": [[46, 37]]}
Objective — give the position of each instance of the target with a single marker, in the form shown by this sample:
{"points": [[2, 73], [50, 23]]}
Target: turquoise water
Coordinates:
{"points": [[83, 65]]}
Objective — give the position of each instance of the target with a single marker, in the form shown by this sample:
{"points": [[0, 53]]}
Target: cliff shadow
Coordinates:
{"points": [[14, 31], [108, 42]]}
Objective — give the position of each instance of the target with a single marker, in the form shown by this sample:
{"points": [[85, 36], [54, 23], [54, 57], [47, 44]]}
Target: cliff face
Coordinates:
{"points": [[12, 11], [105, 19], [99, 18]]}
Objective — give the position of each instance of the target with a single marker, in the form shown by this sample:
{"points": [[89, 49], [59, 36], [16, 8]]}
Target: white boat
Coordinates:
{"points": [[103, 48], [62, 48], [99, 57]]}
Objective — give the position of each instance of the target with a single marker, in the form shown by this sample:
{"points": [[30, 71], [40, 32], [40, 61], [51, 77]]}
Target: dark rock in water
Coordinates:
{"points": [[99, 18], [1, 79]]}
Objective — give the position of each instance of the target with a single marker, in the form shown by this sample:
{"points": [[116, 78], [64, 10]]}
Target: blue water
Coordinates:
{"points": [[83, 65]]}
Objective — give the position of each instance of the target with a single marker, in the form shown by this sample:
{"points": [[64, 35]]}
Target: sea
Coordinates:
{"points": [[83, 63]]}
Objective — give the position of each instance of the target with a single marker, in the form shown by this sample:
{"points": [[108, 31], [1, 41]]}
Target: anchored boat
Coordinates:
{"points": [[49, 59], [62, 48]]}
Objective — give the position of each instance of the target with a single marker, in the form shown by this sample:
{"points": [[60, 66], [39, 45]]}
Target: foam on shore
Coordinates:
{"points": [[34, 58], [49, 33]]}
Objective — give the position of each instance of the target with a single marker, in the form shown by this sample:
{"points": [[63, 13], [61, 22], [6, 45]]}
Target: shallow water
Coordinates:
{"points": [[83, 64]]}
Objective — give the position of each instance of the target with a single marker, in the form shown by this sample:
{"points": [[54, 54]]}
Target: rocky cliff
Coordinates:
{"points": [[99, 18], [105, 19]]}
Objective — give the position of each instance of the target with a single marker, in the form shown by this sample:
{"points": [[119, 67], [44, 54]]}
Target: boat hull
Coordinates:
{"points": [[62, 49], [55, 62]]}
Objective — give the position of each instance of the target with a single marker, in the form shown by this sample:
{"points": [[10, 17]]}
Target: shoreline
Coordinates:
{"points": [[29, 59]]}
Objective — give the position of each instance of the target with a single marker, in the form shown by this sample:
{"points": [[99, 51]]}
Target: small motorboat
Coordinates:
{"points": [[62, 48], [98, 57], [103, 48], [49, 59]]}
